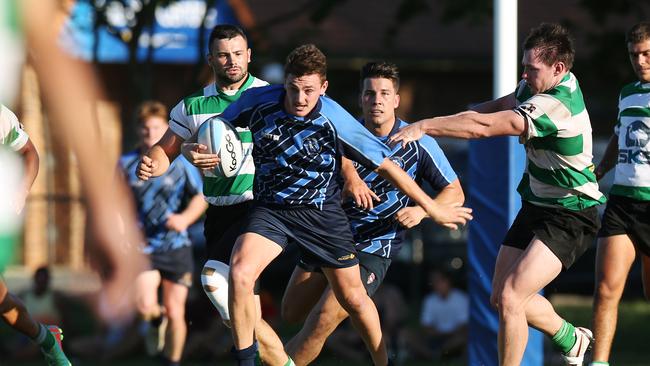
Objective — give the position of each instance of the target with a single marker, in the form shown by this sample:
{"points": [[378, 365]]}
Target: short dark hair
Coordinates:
{"points": [[150, 108], [380, 69], [638, 33], [306, 60], [225, 31], [552, 43]]}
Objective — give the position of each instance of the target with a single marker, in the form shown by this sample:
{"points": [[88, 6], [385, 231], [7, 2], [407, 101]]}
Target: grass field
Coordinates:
{"points": [[630, 347]]}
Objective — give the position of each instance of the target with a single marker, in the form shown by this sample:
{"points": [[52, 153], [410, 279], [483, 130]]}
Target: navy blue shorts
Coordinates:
{"points": [[323, 237], [372, 268]]}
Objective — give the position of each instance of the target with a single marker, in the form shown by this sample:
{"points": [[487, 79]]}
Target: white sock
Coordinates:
{"points": [[215, 275]]}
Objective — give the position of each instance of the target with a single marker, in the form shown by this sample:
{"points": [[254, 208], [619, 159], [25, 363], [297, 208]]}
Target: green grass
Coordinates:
{"points": [[631, 342], [630, 346]]}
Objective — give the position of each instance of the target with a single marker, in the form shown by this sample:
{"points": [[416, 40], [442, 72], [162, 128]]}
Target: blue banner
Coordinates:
{"points": [[495, 168], [174, 37]]}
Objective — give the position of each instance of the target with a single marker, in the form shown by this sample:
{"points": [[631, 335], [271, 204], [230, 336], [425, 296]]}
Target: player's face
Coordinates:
{"points": [[303, 93], [229, 60], [379, 99], [539, 76], [152, 130], [640, 58]]}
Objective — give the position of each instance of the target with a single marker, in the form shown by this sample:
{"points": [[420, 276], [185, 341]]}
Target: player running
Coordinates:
{"points": [[558, 220], [379, 229]]}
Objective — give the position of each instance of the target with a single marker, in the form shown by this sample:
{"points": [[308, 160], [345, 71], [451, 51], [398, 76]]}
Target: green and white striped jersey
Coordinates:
{"points": [[191, 112], [11, 132], [559, 169], [632, 177]]}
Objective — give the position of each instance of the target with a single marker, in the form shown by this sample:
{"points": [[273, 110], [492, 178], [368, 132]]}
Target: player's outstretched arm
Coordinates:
{"points": [[609, 158], [465, 125], [448, 215]]}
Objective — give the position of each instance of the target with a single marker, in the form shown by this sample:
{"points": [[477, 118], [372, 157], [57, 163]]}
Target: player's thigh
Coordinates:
{"points": [[146, 289], [346, 283], [535, 269], [505, 262], [251, 254], [174, 298], [614, 257], [301, 294]]}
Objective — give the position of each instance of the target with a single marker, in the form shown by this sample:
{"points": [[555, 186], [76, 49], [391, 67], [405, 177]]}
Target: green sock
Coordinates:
{"points": [[565, 338], [44, 338], [599, 363], [290, 362]]}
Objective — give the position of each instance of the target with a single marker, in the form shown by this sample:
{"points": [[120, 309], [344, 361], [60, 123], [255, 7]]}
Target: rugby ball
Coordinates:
{"points": [[222, 139]]}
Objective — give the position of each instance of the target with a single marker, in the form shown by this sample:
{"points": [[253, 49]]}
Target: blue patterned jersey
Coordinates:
{"points": [[157, 198], [297, 160], [377, 231]]}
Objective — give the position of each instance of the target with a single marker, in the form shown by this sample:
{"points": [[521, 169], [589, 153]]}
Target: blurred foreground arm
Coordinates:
{"points": [[70, 89]]}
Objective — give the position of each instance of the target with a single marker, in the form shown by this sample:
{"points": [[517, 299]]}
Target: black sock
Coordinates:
{"points": [[246, 356]]}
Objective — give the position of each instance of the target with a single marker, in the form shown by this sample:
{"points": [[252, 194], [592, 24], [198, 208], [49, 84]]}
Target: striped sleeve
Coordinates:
{"points": [[357, 142], [536, 111], [180, 123]]}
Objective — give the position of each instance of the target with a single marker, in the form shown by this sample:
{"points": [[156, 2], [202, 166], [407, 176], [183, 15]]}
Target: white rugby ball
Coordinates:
{"points": [[222, 139]]}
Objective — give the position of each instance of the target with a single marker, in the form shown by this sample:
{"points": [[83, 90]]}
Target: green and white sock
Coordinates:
{"points": [[565, 338], [599, 363], [290, 362]]}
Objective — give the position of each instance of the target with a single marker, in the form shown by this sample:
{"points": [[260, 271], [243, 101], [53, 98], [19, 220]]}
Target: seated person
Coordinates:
{"points": [[443, 321]]}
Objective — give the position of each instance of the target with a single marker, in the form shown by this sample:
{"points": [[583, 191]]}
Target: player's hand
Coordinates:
{"points": [[362, 195], [409, 217], [196, 154], [177, 223], [412, 132], [146, 168], [450, 215]]}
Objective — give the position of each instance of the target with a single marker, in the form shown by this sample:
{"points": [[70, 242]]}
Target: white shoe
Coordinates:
{"points": [[584, 341]]}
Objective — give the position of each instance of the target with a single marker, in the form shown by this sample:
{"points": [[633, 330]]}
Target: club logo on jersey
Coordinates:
{"points": [[528, 108], [398, 161], [311, 146], [637, 136], [371, 278]]}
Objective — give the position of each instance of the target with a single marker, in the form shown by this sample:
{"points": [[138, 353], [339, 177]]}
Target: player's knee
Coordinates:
{"points": [[176, 313], [242, 277], [353, 301], [607, 290], [147, 308], [509, 302]]}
